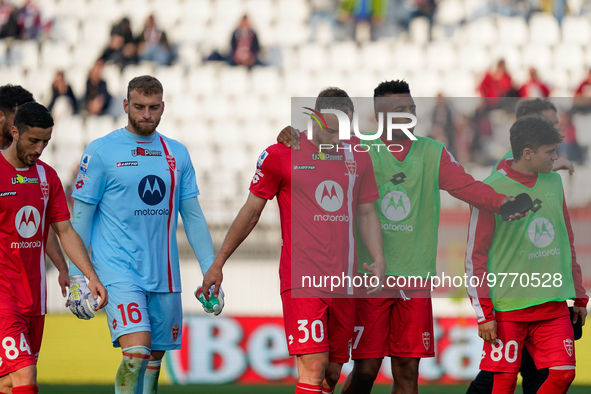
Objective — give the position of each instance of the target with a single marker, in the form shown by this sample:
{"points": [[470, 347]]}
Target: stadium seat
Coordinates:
{"points": [[344, 56], [173, 78], [513, 30], [203, 80], [409, 57], [474, 58], [482, 32], [441, 56], [377, 56], [569, 57], [450, 12], [25, 54], [39, 83], [292, 12], [56, 55], [543, 29], [265, 81], [537, 55], [12, 74], [313, 57], [419, 31], [98, 126], [510, 53], [576, 30], [134, 70], [234, 81]]}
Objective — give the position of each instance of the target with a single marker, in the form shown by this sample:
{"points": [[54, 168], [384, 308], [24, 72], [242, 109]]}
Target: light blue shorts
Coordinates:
{"points": [[133, 309]]}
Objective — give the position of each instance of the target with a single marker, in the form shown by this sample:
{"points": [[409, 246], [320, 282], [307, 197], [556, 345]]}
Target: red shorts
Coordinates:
{"points": [[20, 340], [550, 343], [397, 327], [315, 325]]}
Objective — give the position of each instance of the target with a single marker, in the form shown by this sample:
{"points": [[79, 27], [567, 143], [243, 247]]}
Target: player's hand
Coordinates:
{"points": [[63, 279], [563, 164], [213, 277], [214, 303], [579, 312], [488, 331], [80, 300], [99, 293], [378, 269], [515, 216], [289, 137]]}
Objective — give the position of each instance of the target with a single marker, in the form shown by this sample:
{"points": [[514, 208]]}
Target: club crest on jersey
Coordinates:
{"points": [[568, 345], [145, 152], [351, 166], [45, 189], [427, 340], [171, 162], [175, 332]]}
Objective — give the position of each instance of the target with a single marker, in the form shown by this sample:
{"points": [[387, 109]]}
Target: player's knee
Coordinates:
{"points": [[407, 369], [562, 377], [366, 371], [332, 377], [26, 376]]}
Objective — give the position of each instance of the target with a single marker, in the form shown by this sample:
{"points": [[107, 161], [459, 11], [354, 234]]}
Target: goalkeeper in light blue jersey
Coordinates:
{"points": [[130, 187]]}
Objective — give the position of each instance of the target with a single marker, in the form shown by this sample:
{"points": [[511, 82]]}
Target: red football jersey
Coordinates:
{"points": [[317, 195], [30, 200]]}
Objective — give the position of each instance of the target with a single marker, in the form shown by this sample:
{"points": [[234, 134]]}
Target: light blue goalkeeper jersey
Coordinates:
{"points": [[137, 184]]}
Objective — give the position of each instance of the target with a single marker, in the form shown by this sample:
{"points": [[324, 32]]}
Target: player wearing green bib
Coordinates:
{"points": [[538, 251]]}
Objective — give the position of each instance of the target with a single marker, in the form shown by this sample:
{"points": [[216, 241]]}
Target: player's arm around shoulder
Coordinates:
{"points": [[76, 251]]}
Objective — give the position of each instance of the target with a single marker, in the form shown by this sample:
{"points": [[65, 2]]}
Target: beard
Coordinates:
{"points": [[144, 129], [22, 155]]}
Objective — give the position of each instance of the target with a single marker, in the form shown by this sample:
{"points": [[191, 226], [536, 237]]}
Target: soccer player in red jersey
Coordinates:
{"points": [[11, 96], [533, 312], [31, 198], [320, 193]]}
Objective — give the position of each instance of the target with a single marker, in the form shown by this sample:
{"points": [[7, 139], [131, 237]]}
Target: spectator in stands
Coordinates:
{"points": [[245, 45], [425, 9], [495, 84], [570, 148], [153, 44], [97, 97], [122, 49], [29, 21], [443, 124], [582, 101], [8, 20], [534, 87], [322, 11], [62, 97], [352, 12]]}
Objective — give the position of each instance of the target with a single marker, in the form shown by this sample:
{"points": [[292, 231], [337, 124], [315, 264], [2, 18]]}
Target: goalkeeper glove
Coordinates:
{"points": [[215, 304], [80, 300]]}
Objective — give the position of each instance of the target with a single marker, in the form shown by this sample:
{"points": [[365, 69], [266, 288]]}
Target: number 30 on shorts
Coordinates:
{"points": [[316, 328], [496, 353]]}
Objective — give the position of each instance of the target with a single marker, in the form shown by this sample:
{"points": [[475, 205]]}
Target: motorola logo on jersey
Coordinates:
{"points": [[27, 221], [395, 206], [541, 232], [152, 190], [329, 195]]}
